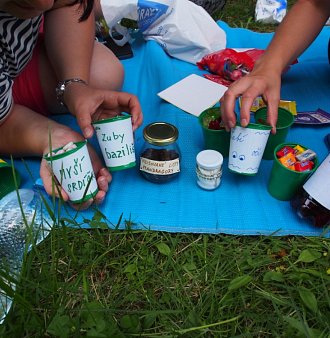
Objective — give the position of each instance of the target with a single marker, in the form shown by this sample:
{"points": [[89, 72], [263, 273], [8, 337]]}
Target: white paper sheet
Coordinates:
{"points": [[193, 94]]}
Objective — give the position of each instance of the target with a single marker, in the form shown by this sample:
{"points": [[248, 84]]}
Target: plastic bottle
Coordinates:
{"points": [[312, 202], [209, 169], [24, 222]]}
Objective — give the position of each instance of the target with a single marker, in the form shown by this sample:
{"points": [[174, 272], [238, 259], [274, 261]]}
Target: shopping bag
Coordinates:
{"points": [[184, 30], [116, 10]]}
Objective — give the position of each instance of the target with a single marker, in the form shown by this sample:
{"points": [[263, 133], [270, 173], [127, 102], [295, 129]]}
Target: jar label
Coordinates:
{"points": [[159, 167], [208, 179], [318, 185]]}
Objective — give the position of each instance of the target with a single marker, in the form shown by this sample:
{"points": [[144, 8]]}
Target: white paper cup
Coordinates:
{"points": [[246, 148], [74, 171], [115, 137]]}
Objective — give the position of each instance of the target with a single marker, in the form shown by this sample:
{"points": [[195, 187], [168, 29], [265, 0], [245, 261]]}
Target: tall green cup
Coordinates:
{"points": [[284, 183], [284, 122], [218, 140], [7, 178]]}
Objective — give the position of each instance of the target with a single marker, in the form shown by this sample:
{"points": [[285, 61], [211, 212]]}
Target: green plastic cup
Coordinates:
{"points": [[218, 140], [284, 183], [284, 122], [7, 178]]}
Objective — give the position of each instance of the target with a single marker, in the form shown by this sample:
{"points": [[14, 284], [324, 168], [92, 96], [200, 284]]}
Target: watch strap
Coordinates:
{"points": [[62, 85]]}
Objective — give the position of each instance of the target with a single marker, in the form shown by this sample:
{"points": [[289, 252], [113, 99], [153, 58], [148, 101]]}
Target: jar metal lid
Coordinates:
{"points": [[160, 133], [209, 159]]}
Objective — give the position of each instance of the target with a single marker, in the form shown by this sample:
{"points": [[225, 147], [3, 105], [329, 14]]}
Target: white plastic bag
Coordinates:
{"points": [[270, 11], [116, 10], [184, 30]]}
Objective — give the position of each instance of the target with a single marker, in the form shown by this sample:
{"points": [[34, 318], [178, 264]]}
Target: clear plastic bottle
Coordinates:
{"points": [[24, 222], [312, 202], [160, 156]]}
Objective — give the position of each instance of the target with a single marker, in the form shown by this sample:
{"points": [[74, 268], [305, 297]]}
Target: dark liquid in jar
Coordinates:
{"points": [[308, 208], [159, 155]]}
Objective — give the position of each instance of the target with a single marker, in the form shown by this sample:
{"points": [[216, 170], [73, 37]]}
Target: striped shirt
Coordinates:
{"points": [[18, 37]]}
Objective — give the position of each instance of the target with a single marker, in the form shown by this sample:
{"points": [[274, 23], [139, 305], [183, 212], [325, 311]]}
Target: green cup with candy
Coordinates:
{"points": [[285, 120], [214, 133]]}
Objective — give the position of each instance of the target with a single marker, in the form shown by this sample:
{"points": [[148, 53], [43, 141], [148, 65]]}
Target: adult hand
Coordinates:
{"points": [[90, 104], [260, 82]]}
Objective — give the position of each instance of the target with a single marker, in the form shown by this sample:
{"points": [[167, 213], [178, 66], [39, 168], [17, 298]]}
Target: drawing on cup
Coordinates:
{"points": [[247, 146]]}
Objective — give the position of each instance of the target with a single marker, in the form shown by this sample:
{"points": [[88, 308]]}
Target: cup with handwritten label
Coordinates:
{"points": [[116, 140], [73, 170], [246, 148]]}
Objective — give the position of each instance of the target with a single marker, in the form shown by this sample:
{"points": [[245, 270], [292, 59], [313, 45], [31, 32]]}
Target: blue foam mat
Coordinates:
{"points": [[241, 205]]}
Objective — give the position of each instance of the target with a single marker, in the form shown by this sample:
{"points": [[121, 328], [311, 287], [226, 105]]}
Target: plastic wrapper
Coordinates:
{"points": [[270, 11], [228, 65], [24, 222]]}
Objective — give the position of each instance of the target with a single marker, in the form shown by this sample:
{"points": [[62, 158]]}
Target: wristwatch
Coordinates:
{"points": [[62, 85]]}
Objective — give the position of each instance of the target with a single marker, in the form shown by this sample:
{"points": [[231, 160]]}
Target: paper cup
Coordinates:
{"points": [[7, 180], [115, 137], [246, 149], [214, 139], [284, 122], [74, 171], [284, 183]]}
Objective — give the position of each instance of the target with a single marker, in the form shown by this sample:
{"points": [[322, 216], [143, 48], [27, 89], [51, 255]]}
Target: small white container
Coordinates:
{"points": [[209, 169]]}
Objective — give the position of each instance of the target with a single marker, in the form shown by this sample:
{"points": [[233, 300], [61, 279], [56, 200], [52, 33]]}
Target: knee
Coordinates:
{"points": [[107, 72]]}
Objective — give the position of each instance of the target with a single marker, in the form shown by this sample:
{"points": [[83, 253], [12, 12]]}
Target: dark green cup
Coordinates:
{"points": [[8, 175], [284, 122], [284, 183], [218, 140]]}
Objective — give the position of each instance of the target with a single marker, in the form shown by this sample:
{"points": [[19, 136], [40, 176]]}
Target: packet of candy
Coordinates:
{"points": [[259, 103], [317, 117], [228, 65]]}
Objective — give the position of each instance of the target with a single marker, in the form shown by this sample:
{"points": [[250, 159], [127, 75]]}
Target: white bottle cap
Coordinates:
{"points": [[209, 159]]}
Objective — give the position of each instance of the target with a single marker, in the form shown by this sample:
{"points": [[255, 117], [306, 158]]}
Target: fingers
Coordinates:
{"points": [[244, 88], [272, 114], [227, 107], [103, 180], [84, 121], [51, 185], [126, 103], [248, 89]]}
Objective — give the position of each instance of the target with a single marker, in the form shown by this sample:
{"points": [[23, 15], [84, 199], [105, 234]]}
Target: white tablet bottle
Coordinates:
{"points": [[209, 169]]}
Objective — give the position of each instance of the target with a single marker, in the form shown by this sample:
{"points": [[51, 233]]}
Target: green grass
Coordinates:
{"points": [[115, 283]]}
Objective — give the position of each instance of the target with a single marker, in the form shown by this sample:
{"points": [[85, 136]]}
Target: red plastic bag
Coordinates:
{"points": [[228, 65]]}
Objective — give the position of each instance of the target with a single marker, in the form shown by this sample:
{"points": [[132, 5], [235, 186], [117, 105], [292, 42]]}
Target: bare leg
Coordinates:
{"points": [[107, 72]]}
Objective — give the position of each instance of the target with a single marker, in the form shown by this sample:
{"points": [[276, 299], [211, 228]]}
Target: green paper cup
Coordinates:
{"points": [[247, 145], [284, 122], [74, 171], [214, 139], [116, 140], [284, 183], [7, 179]]}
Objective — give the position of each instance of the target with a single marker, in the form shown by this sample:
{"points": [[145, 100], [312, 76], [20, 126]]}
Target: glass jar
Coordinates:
{"points": [[160, 155]]}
